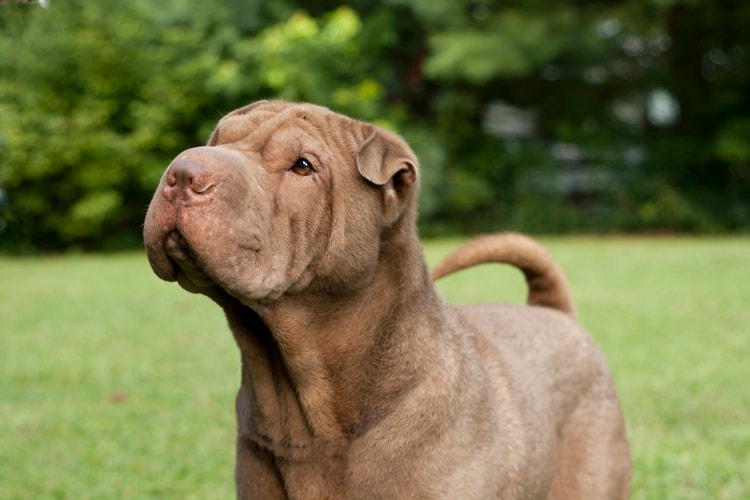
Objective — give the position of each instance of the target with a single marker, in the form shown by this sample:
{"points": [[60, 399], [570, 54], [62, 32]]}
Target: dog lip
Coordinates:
{"points": [[164, 266], [178, 251], [187, 268], [174, 243]]}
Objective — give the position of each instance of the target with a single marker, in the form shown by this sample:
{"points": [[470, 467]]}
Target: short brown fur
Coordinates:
{"points": [[358, 380]]}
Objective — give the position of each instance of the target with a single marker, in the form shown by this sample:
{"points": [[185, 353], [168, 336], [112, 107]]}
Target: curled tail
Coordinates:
{"points": [[547, 284]]}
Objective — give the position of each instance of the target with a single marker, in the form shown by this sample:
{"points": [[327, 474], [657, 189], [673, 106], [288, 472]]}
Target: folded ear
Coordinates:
{"points": [[386, 160]]}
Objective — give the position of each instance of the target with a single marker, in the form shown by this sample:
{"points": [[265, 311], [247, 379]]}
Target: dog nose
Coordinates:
{"points": [[187, 178]]}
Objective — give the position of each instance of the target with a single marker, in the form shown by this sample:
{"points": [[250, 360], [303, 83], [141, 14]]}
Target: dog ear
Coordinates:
{"points": [[386, 160]]}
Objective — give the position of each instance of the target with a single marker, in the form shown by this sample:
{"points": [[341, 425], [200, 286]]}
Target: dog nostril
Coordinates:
{"points": [[189, 175]]}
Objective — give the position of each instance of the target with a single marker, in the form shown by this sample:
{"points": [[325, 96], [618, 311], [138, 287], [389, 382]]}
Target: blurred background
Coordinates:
{"points": [[536, 115]]}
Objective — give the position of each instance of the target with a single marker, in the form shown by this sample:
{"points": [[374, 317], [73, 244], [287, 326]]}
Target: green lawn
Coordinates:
{"points": [[114, 384]]}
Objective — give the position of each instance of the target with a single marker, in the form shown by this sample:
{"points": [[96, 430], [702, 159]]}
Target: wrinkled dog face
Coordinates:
{"points": [[254, 211]]}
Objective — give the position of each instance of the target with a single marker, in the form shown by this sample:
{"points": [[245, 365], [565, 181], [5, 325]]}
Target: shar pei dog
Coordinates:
{"points": [[358, 380]]}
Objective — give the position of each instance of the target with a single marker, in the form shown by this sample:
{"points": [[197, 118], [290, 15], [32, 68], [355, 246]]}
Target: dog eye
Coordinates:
{"points": [[302, 167]]}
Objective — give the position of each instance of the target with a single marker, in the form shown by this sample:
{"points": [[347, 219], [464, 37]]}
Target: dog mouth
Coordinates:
{"points": [[189, 270]]}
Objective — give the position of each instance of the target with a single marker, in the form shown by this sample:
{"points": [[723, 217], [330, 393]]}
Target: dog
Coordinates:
{"points": [[357, 379]]}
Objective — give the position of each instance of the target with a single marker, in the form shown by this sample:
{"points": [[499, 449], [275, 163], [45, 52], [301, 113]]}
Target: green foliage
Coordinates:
{"points": [[93, 104], [732, 144], [512, 43], [304, 59], [96, 99]]}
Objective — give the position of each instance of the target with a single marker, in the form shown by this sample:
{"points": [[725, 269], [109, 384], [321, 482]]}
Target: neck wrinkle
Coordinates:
{"points": [[319, 378], [268, 409]]}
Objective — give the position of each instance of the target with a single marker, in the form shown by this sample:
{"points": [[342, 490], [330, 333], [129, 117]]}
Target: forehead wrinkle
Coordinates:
{"points": [[346, 132], [265, 131], [317, 129]]}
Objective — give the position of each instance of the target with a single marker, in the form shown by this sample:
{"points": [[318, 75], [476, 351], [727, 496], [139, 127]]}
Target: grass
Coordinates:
{"points": [[116, 385]]}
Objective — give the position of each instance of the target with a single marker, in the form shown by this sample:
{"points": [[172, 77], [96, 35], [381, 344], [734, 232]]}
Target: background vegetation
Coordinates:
{"points": [[623, 115], [116, 385]]}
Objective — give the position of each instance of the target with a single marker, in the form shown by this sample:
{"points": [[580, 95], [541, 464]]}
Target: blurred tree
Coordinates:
{"points": [[656, 92], [96, 99], [540, 115], [92, 98], [706, 154]]}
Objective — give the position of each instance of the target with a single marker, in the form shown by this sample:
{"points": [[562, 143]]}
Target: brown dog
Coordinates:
{"points": [[358, 381]]}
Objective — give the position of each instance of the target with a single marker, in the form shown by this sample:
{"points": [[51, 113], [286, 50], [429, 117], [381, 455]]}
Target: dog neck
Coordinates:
{"points": [[317, 369]]}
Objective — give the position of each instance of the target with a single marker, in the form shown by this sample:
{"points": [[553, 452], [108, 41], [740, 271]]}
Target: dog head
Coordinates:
{"points": [[283, 198]]}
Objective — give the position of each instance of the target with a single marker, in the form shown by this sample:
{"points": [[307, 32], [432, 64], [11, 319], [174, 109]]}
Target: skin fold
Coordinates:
{"points": [[358, 380]]}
